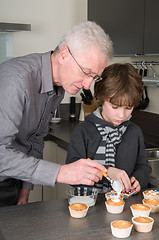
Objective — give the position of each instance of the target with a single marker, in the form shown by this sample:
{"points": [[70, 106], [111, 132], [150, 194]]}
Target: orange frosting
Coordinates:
{"points": [[121, 224], [151, 202], [140, 207], [115, 203], [142, 220], [78, 206]]}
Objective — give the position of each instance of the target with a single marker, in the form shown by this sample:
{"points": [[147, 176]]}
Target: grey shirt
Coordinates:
{"points": [[27, 102]]}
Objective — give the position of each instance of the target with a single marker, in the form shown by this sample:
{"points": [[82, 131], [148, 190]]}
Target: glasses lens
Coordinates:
{"points": [[97, 78]]}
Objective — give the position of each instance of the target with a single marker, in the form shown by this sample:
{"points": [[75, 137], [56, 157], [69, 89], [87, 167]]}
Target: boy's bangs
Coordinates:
{"points": [[122, 101]]}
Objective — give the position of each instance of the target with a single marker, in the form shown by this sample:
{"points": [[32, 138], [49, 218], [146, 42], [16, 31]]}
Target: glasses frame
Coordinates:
{"points": [[96, 78]]}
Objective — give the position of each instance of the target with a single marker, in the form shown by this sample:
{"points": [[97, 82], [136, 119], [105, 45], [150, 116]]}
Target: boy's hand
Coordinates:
{"points": [[135, 184], [120, 175]]}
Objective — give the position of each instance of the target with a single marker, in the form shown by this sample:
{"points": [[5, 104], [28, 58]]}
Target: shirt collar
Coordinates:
{"points": [[47, 82]]}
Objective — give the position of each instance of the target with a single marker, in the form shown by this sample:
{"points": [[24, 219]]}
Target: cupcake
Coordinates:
{"points": [[121, 228], [153, 204], [78, 210], [113, 194], [153, 194], [143, 224], [115, 205], [140, 210]]}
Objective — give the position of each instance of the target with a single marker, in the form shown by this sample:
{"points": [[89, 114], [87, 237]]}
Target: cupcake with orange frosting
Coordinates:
{"points": [[143, 224], [115, 205], [140, 210], [153, 203], [78, 210], [121, 228]]}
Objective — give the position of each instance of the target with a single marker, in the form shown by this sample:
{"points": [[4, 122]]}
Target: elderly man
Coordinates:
{"points": [[31, 88]]}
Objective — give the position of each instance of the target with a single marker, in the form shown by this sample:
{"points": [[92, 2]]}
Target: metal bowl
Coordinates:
{"points": [[84, 195]]}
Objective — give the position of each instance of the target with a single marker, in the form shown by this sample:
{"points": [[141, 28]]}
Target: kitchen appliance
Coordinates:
{"points": [[153, 160]]}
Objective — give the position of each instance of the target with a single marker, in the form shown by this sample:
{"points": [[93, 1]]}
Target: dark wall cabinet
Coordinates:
{"points": [[131, 24], [151, 33]]}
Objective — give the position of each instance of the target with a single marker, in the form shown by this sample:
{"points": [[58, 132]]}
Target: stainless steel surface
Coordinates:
{"points": [[152, 153], [154, 164], [154, 182], [13, 27], [51, 221], [153, 159]]}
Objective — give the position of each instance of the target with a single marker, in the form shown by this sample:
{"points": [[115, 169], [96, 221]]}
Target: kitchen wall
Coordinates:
{"points": [[50, 19]]}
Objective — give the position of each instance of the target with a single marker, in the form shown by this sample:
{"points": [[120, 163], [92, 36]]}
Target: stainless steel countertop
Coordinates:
{"points": [[52, 221]]}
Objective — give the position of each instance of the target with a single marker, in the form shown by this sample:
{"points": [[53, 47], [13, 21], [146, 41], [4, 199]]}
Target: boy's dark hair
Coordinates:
{"points": [[120, 85]]}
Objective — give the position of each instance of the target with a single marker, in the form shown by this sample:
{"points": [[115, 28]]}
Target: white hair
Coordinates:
{"points": [[85, 35]]}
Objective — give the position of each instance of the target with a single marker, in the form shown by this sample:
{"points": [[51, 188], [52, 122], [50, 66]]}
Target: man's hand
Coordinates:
{"points": [[83, 171], [23, 196]]}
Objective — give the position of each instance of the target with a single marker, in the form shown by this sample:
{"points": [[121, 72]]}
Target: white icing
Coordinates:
{"points": [[152, 193], [116, 200], [117, 186]]}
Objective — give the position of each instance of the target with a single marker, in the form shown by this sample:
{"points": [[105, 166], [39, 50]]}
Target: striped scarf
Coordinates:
{"points": [[107, 149]]}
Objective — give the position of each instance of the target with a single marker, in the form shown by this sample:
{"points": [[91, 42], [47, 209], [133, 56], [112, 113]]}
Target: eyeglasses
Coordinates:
{"points": [[96, 78]]}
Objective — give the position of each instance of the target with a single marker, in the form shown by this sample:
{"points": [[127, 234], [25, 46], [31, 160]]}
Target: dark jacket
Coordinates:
{"points": [[130, 152]]}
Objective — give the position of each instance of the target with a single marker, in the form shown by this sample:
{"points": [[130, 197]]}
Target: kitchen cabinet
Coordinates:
{"points": [[130, 24], [40, 193], [50, 154], [53, 153], [61, 188], [151, 33], [35, 194]]}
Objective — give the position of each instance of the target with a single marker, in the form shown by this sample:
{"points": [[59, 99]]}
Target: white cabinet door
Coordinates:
{"points": [[61, 188], [35, 194], [40, 193], [50, 154], [53, 153]]}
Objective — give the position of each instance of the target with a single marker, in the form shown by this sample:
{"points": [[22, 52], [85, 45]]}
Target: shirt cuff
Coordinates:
{"points": [[27, 185], [46, 173]]}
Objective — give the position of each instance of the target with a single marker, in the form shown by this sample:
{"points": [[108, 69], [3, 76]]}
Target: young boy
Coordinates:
{"points": [[108, 136]]}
